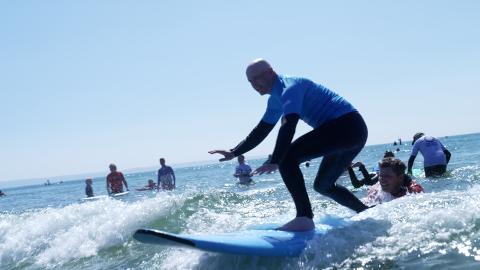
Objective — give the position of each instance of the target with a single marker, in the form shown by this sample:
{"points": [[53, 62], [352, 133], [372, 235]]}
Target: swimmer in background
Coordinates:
{"points": [[243, 171], [115, 181], [166, 177], [88, 187], [435, 155], [392, 183], [150, 186]]}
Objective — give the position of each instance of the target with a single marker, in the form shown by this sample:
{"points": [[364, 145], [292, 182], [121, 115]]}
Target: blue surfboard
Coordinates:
{"points": [[264, 241]]}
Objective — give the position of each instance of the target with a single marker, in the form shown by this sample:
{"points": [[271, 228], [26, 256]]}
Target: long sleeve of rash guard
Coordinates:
{"points": [[285, 136], [410, 163], [256, 136], [353, 178], [447, 155]]}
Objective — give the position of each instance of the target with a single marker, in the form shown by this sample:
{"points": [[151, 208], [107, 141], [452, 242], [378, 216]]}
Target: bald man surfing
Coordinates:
{"points": [[339, 134]]}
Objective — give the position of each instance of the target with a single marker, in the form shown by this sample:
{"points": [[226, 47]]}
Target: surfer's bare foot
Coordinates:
{"points": [[298, 224]]}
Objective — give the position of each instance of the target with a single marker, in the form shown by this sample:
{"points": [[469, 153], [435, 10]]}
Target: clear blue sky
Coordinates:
{"points": [[87, 83]]}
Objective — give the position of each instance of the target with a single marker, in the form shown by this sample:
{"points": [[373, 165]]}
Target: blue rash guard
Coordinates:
{"points": [[314, 103], [339, 134]]}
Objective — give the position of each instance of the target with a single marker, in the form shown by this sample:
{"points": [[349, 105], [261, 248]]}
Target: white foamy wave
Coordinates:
{"points": [[54, 236], [429, 224], [425, 225]]}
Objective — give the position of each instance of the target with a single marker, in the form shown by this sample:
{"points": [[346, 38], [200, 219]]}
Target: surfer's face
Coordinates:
{"points": [[262, 82], [389, 180]]}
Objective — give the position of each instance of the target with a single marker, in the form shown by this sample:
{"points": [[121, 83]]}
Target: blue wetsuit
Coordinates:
{"points": [[339, 133]]}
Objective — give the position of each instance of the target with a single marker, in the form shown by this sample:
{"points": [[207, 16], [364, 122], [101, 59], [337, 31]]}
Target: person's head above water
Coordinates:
{"points": [[241, 159], [391, 175], [388, 154], [162, 161], [113, 167], [261, 76], [417, 136], [88, 181]]}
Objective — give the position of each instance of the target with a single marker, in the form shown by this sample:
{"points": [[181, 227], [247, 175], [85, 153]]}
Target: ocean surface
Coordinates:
{"points": [[49, 227]]}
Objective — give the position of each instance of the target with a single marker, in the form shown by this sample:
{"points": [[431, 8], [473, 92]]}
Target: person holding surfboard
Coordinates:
{"points": [[435, 155], [115, 181], [339, 134]]}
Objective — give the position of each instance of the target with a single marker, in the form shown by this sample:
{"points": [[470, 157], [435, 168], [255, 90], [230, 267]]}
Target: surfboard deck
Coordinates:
{"points": [[256, 242], [99, 197], [120, 194]]}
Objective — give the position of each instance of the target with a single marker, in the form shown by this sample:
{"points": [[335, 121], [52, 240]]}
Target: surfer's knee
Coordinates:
{"points": [[323, 189], [289, 159]]}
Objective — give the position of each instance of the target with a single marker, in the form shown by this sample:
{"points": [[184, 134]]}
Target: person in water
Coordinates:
{"points": [[268, 159], [435, 155], [150, 186], [166, 177], [243, 171], [115, 181], [339, 134], [369, 178], [88, 187], [2, 193], [392, 182]]}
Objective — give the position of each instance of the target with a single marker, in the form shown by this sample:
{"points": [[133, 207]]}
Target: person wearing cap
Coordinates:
{"points": [[435, 155], [115, 181], [369, 178], [392, 183], [339, 134]]}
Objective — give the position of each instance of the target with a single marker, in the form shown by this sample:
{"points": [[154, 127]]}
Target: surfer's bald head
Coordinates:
{"points": [[261, 75], [257, 67]]}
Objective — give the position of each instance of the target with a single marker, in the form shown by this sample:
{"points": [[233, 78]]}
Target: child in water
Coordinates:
{"points": [[88, 187], [150, 186]]}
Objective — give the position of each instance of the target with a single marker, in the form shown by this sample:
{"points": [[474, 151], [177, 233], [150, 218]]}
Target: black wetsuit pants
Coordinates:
{"points": [[435, 171], [338, 142]]}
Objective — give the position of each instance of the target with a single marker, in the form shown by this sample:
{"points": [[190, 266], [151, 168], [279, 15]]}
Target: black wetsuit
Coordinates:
{"points": [[369, 179], [338, 141]]}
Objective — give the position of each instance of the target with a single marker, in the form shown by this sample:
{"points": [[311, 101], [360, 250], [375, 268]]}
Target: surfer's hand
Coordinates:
{"points": [[267, 168], [357, 164], [227, 155]]}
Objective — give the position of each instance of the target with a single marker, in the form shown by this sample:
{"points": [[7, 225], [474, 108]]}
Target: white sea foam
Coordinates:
{"points": [[56, 235], [403, 229]]}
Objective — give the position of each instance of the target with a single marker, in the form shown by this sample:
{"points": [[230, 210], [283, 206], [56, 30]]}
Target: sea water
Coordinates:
{"points": [[49, 227]]}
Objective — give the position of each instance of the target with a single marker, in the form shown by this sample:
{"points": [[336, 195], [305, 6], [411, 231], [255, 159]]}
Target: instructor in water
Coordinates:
{"points": [[339, 134]]}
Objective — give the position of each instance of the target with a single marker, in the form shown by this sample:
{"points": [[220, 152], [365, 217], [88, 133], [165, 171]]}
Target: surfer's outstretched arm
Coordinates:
{"points": [[284, 139], [256, 136]]}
